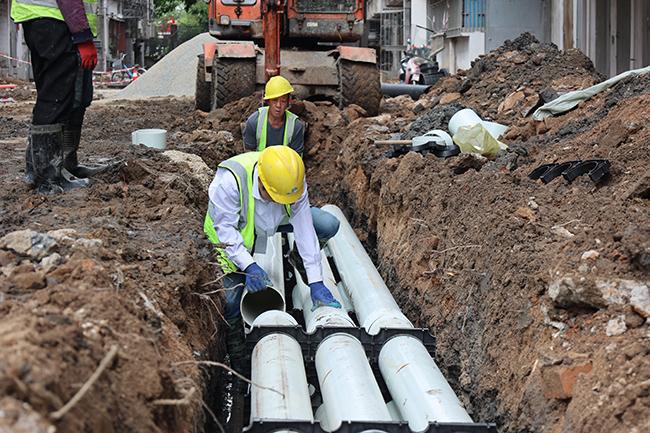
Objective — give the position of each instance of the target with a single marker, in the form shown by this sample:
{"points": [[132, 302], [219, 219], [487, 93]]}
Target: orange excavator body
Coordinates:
{"points": [[317, 35]]}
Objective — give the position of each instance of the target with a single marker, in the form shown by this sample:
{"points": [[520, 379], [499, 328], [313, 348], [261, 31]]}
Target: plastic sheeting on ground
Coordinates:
{"points": [[569, 100]]}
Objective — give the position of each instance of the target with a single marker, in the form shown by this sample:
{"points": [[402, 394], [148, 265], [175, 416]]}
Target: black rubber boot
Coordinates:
{"points": [[29, 166], [45, 161], [71, 139]]}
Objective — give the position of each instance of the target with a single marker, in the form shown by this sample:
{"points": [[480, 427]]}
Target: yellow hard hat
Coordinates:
{"points": [[282, 173], [276, 87]]}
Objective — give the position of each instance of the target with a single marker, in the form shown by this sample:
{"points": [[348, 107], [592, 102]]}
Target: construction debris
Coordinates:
{"points": [[471, 247]]}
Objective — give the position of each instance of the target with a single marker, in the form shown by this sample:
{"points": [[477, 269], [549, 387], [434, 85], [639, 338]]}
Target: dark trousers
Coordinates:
{"points": [[63, 88]]}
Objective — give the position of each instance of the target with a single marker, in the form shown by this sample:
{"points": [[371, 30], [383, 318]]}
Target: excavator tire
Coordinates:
{"points": [[203, 92], [359, 84], [232, 79]]}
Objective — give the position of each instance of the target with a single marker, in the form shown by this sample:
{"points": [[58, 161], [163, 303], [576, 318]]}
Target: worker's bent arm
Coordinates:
{"points": [[297, 141], [224, 196], [306, 240], [75, 18], [250, 130]]}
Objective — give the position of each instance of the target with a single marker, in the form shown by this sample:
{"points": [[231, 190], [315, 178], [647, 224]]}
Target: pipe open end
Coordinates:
{"points": [[254, 304]]}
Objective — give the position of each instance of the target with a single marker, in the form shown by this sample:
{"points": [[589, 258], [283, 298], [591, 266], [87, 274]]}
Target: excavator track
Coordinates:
{"points": [[359, 84], [232, 79]]}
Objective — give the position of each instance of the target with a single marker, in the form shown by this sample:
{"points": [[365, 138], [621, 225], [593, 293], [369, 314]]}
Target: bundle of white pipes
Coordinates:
{"points": [[341, 362], [348, 387], [280, 390], [414, 380]]}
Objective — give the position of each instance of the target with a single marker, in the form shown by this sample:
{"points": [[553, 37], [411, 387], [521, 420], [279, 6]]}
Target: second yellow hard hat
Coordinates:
{"points": [[277, 86], [282, 173]]}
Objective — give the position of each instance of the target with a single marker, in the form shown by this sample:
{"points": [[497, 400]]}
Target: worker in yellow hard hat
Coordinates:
{"points": [[273, 124], [253, 196]]}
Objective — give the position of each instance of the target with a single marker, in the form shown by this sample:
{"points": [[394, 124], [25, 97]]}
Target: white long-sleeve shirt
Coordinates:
{"points": [[224, 196]]}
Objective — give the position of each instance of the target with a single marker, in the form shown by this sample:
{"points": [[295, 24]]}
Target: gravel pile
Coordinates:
{"points": [[173, 75]]}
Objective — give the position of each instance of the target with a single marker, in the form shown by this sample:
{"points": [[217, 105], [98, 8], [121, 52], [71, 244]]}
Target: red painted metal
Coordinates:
{"points": [[357, 54], [209, 49], [272, 11], [237, 50]]}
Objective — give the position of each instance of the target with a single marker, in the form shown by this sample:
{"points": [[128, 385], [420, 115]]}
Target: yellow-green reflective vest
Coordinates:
{"points": [[26, 10], [243, 168], [262, 121]]}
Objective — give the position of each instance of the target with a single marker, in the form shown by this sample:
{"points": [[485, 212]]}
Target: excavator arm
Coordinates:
{"points": [[272, 12], [230, 70]]}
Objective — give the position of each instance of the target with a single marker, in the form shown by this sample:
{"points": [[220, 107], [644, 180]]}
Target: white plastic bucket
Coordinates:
{"points": [[464, 117], [156, 138], [468, 118], [496, 130]]}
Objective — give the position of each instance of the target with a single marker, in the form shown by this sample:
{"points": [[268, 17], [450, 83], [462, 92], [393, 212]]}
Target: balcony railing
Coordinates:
{"points": [[459, 16]]}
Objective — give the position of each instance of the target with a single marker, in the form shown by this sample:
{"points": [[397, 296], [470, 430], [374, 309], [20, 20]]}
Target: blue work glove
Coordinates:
{"points": [[256, 278], [322, 297]]}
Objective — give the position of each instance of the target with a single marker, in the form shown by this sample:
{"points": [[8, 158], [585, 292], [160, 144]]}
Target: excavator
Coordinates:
{"points": [[315, 44]]}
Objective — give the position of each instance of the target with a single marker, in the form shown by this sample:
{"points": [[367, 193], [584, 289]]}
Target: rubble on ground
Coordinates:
{"points": [[537, 293]]}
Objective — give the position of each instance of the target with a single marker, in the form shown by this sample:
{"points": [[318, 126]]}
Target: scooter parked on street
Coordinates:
{"points": [[124, 74], [418, 66]]}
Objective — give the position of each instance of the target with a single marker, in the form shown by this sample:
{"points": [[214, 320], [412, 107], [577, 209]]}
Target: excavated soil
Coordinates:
{"points": [[17, 90], [536, 293]]}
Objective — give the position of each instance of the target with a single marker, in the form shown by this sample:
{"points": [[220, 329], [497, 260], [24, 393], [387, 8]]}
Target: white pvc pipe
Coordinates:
{"points": [[277, 365], [346, 303], [415, 382], [254, 304], [326, 317], [417, 385], [366, 288], [394, 411], [347, 385], [321, 417]]}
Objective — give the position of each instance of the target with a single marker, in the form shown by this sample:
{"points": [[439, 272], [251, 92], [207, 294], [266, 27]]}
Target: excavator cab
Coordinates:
{"points": [[314, 44]]}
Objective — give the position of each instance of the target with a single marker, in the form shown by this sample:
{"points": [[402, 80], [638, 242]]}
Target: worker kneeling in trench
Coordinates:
{"points": [[257, 194]]}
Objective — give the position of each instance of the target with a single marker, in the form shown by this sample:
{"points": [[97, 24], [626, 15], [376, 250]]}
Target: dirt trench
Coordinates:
{"points": [[522, 283], [526, 286]]}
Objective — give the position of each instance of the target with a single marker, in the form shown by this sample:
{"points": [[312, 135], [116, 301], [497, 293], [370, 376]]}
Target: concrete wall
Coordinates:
{"points": [[5, 22], [507, 19], [461, 51], [419, 17], [469, 48], [12, 44], [557, 21]]}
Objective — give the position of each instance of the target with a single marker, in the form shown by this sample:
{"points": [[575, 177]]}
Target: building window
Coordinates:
{"points": [[474, 15]]}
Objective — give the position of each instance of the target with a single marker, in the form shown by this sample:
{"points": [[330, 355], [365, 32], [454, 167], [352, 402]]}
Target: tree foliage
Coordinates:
{"points": [[169, 7]]}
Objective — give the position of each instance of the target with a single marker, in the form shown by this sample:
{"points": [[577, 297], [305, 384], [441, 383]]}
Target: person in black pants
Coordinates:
{"points": [[63, 56]]}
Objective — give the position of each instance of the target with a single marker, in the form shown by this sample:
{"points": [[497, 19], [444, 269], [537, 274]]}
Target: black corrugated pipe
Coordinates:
{"points": [[413, 90]]}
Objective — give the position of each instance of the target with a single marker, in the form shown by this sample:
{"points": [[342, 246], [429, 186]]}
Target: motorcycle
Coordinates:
{"points": [[419, 67], [122, 73]]}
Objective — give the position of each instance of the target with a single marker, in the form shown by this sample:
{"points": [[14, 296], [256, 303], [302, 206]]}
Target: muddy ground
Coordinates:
{"points": [[537, 293]]}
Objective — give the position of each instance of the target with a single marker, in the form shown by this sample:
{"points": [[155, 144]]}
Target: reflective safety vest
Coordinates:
{"points": [[243, 168], [262, 121], [26, 10]]}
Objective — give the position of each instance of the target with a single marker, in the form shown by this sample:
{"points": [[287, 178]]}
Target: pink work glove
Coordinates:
{"points": [[88, 54]]}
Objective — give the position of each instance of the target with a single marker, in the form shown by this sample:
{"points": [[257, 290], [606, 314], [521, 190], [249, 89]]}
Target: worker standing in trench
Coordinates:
{"points": [[275, 125], [59, 35], [253, 196]]}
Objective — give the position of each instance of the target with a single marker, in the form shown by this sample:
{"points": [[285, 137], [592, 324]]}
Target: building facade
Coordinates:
{"points": [[613, 33]]}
